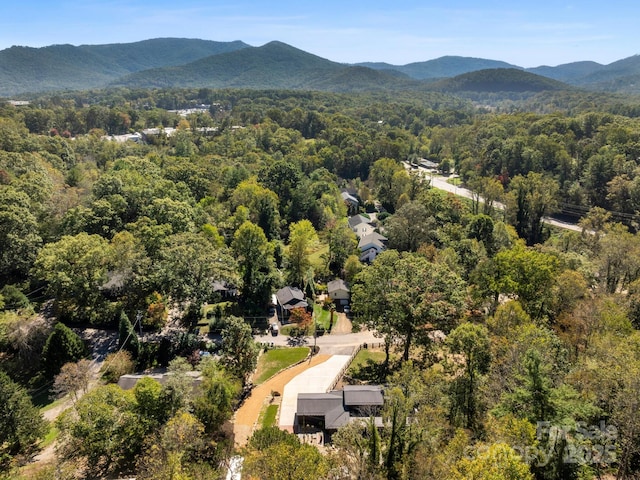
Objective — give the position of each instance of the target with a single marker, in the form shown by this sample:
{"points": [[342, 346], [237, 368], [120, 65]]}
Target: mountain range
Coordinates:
{"points": [[178, 62]]}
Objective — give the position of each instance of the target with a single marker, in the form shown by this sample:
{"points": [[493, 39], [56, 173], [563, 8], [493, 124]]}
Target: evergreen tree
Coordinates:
{"points": [[21, 424], [62, 346]]}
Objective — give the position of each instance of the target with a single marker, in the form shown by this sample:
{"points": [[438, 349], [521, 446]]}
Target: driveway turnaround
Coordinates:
{"points": [[318, 379]]}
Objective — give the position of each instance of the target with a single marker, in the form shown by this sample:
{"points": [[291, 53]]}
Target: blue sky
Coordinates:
{"points": [[525, 33]]}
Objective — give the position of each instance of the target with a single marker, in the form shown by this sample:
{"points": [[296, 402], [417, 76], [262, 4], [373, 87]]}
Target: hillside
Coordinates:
{"points": [[68, 67], [274, 65], [498, 80]]}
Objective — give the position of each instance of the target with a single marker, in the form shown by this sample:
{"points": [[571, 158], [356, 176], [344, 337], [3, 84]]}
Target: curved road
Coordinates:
{"points": [[440, 182]]}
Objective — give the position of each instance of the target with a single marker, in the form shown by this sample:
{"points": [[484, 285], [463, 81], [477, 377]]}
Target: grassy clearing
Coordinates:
{"points": [[272, 361], [50, 437], [44, 402], [322, 317], [454, 181], [269, 417], [316, 257], [364, 358]]}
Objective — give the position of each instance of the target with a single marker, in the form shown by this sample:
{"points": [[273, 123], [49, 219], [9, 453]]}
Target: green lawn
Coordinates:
{"points": [[367, 367], [272, 361], [269, 417], [50, 437], [365, 357], [316, 257], [455, 181], [322, 317]]}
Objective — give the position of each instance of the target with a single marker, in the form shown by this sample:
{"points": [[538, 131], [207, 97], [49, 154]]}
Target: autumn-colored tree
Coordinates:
{"points": [[73, 379]]}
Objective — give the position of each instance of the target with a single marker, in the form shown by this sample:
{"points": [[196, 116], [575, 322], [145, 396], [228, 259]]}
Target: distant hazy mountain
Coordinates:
{"points": [[569, 72], [65, 67], [173, 62], [443, 67]]}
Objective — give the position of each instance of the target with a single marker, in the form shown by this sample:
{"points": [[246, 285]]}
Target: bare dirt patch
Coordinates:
{"points": [[342, 326]]}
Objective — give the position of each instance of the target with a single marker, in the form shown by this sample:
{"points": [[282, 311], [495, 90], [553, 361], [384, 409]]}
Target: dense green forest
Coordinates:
{"points": [[536, 373]]}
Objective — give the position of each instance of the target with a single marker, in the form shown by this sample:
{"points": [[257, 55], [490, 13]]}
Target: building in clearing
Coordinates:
{"points": [[326, 412]]}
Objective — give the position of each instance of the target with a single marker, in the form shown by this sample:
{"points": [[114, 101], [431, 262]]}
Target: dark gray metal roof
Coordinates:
{"points": [[318, 404], [357, 220], [361, 395], [335, 406]]}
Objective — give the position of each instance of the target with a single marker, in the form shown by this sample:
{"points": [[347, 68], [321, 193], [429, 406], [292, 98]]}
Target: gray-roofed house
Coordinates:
{"points": [[289, 298], [330, 411], [371, 246], [339, 291], [361, 225], [351, 201]]}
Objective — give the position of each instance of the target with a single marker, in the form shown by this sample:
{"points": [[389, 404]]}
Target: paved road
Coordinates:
{"points": [[441, 183], [331, 344]]}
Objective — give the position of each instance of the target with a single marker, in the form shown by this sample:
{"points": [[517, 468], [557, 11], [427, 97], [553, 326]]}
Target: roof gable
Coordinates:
{"points": [[357, 220], [290, 296], [337, 285]]}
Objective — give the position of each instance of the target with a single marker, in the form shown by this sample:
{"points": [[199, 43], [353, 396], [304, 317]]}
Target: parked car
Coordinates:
{"points": [[274, 330], [347, 310]]}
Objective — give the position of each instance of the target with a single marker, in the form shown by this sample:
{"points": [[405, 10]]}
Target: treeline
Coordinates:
{"points": [[540, 326]]}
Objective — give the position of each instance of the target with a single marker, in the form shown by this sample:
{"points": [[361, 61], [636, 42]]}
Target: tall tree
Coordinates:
{"points": [[63, 346], [472, 342], [390, 180], [239, 350], [410, 227], [188, 268], [403, 296], [127, 337], [256, 263], [215, 404], [302, 239], [531, 198], [342, 243], [498, 462], [19, 235], [103, 429], [74, 268], [521, 272]]}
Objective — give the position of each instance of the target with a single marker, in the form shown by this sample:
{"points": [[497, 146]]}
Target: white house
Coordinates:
{"points": [[338, 291], [361, 225], [371, 246]]}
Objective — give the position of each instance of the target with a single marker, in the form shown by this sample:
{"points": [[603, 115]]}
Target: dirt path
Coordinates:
{"points": [[247, 415], [342, 326]]}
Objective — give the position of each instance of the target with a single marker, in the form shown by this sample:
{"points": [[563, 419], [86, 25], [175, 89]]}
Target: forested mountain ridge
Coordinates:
{"points": [[171, 62], [67, 67], [498, 80]]}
